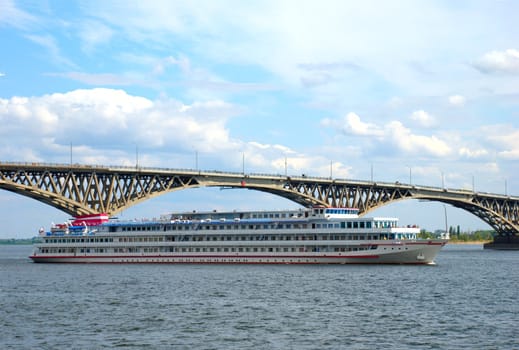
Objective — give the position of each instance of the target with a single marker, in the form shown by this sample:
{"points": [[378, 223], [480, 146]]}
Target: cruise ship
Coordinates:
{"points": [[319, 235]]}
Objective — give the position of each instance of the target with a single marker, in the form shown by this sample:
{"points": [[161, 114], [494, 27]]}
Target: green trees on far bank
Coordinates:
{"points": [[476, 236], [20, 241], [456, 236]]}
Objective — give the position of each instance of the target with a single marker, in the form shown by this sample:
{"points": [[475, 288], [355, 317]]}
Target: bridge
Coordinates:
{"points": [[87, 189]]}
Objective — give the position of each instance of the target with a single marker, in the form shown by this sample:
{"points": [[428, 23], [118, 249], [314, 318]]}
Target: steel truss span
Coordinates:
{"points": [[85, 189]]}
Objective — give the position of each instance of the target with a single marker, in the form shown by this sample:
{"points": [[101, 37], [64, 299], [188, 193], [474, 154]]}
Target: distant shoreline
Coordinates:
{"points": [[18, 241], [468, 242]]}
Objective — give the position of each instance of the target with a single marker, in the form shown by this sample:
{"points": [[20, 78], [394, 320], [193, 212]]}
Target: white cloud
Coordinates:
{"points": [[112, 116], [105, 126], [423, 118], [311, 165], [393, 133], [2, 74], [402, 137], [457, 100], [512, 154], [280, 159], [472, 153], [503, 138], [499, 62], [357, 127], [351, 124]]}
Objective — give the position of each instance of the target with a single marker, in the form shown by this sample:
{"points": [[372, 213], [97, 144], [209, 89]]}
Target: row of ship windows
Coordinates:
{"points": [[275, 215], [241, 216], [208, 249], [201, 238], [92, 240], [272, 226]]}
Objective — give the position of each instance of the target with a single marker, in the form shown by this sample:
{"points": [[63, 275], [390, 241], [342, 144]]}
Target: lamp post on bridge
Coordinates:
{"points": [[136, 156], [243, 163]]}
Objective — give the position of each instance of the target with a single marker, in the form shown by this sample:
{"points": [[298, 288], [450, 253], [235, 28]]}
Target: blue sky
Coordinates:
{"points": [[429, 88]]}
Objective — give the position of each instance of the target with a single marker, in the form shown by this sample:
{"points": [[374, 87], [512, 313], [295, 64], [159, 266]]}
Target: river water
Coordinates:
{"points": [[468, 300]]}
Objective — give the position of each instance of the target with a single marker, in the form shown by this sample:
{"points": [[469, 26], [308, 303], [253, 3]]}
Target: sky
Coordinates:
{"points": [[415, 91]]}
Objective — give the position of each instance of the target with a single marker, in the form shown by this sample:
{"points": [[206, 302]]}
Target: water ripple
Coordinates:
{"points": [[466, 301]]}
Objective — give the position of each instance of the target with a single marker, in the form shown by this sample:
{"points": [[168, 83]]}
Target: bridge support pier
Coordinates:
{"points": [[510, 242]]}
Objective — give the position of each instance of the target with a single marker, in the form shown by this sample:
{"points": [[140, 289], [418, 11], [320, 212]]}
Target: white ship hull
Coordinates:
{"points": [[388, 253]]}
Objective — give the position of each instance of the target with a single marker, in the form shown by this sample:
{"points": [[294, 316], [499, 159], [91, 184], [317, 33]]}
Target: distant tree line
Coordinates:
{"points": [[455, 235], [20, 241]]}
